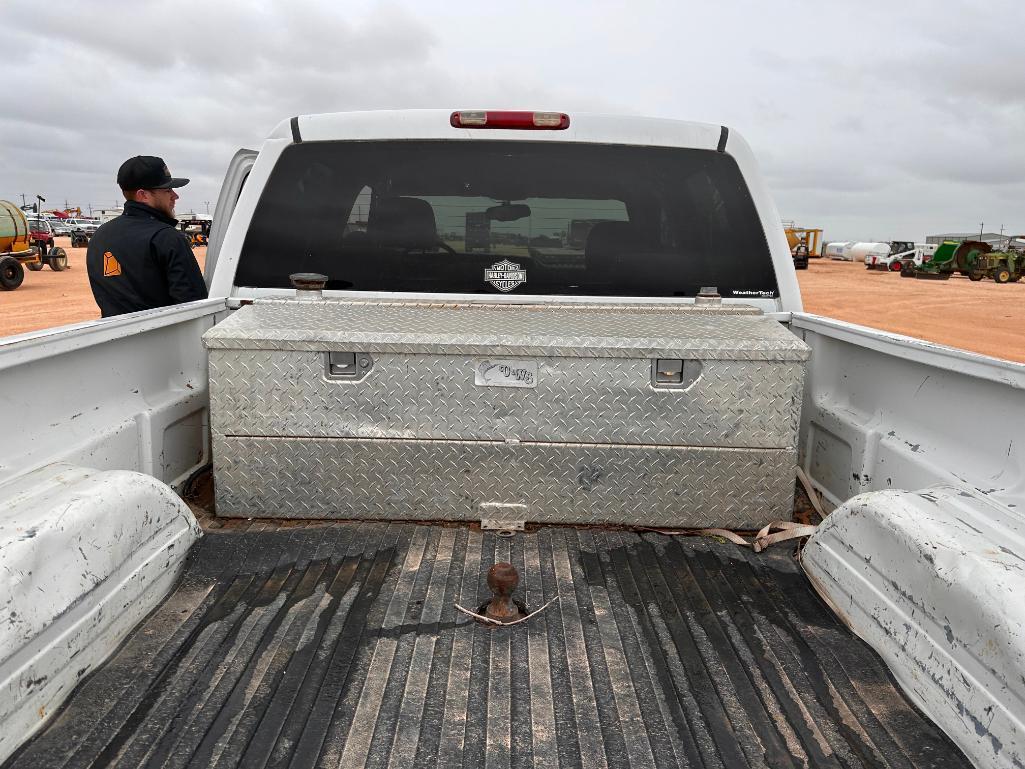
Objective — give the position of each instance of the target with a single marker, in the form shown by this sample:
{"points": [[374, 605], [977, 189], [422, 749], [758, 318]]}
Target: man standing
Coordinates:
{"points": [[141, 260]]}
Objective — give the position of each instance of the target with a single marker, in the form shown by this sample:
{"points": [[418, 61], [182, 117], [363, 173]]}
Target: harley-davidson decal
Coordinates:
{"points": [[505, 275]]}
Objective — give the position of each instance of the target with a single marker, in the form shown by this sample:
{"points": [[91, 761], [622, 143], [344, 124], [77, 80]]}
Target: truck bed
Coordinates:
{"points": [[339, 645]]}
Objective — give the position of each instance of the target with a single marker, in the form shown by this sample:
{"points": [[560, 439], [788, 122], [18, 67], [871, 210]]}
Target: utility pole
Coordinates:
{"points": [[23, 200], [981, 225], [207, 204]]}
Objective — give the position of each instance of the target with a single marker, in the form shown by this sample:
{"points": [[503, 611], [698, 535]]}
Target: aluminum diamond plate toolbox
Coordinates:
{"points": [[644, 415], [737, 404], [479, 329], [469, 480]]}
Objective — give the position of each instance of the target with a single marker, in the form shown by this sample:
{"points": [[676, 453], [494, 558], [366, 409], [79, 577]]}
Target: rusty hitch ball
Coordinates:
{"points": [[502, 579]]}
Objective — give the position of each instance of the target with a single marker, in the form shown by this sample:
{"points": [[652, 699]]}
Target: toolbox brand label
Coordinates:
{"points": [[505, 275], [506, 373]]}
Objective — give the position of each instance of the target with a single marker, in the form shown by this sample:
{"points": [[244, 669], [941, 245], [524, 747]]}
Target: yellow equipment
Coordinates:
{"points": [[811, 238], [15, 246], [15, 236], [66, 212]]}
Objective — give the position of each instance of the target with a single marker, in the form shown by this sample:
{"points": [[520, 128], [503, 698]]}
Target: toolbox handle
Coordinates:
{"points": [[674, 373], [347, 365]]}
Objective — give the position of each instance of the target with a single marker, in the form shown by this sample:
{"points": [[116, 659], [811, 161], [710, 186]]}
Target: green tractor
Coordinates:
{"points": [[972, 258], [1001, 266]]}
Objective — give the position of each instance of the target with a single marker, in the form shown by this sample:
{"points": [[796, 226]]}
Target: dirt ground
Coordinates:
{"points": [[982, 317], [49, 298]]}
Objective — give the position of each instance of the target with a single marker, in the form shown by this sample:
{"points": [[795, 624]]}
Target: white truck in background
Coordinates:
{"points": [[111, 606], [104, 215]]}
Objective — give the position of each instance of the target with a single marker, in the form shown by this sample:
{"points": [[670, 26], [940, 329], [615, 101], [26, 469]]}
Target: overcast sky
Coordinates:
{"points": [[872, 119]]}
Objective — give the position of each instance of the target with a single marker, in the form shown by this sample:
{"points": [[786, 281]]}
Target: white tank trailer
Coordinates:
{"points": [[838, 250], [860, 250]]}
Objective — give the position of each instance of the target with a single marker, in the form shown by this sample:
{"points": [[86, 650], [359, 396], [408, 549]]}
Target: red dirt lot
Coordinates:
{"points": [[49, 298], [981, 317]]}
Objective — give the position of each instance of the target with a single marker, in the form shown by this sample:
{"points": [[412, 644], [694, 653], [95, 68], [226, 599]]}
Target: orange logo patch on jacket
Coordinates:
{"points": [[111, 266]]}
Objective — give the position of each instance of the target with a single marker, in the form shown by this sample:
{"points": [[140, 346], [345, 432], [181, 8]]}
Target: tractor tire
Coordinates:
{"points": [[36, 266], [11, 273], [895, 266], [58, 260], [907, 270], [1001, 275], [975, 276]]}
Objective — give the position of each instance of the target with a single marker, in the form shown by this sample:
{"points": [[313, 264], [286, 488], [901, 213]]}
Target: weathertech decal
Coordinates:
{"points": [[505, 275], [111, 266]]}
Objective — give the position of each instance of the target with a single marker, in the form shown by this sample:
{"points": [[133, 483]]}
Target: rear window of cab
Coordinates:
{"points": [[508, 217]]}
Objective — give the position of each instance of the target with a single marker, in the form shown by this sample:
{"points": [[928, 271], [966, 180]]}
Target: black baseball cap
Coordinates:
{"points": [[145, 172]]}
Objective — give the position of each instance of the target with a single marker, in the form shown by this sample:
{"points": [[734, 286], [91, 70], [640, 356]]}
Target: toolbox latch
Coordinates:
{"points": [[676, 373], [668, 371], [347, 365]]}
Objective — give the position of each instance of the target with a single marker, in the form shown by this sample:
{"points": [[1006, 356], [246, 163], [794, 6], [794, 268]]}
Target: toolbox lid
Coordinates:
{"points": [[728, 332]]}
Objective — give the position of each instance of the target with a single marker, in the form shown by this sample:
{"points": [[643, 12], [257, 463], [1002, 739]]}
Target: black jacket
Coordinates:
{"points": [[141, 260]]}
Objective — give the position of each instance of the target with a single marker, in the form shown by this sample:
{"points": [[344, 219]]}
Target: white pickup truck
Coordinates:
{"points": [[558, 341]]}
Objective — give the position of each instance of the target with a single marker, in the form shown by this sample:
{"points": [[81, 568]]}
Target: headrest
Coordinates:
{"points": [[607, 241], [402, 223], [612, 233]]}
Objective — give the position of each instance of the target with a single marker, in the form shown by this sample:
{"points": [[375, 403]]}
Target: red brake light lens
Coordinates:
{"points": [[530, 121]]}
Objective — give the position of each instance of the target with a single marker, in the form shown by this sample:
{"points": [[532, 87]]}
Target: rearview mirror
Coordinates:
{"points": [[508, 212]]}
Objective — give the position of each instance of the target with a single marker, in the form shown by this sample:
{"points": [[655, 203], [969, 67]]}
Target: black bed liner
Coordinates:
{"points": [[340, 646]]}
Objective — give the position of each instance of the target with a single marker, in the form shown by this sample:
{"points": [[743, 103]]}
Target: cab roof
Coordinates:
{"points": [[435, 124]]}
